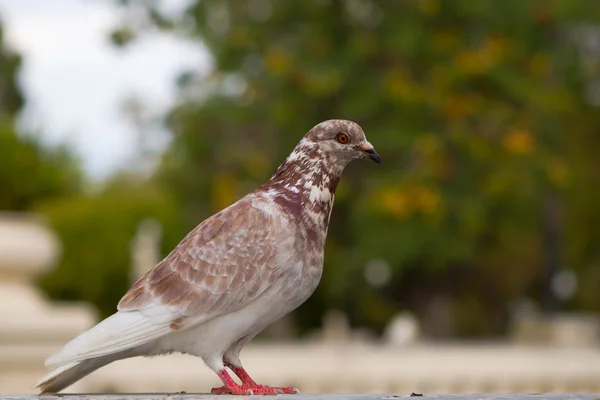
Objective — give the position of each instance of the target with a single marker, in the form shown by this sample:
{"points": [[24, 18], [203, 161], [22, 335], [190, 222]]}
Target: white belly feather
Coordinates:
{"points": [[214, 337]]}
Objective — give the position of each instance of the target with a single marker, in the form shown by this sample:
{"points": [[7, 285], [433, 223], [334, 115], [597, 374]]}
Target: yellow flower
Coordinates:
{"points": [[495, 47], [429, 6], [518, 141], [223, 191], [277, 62], [483, 58], [395, 201], [427, 200], [403, 201], [470, 62]]}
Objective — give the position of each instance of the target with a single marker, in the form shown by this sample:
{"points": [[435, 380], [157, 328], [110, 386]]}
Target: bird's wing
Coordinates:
{"points": [[222, 265]]}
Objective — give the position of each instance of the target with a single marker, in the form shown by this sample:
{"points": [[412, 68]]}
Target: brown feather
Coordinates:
{"points": [[199, 278]]}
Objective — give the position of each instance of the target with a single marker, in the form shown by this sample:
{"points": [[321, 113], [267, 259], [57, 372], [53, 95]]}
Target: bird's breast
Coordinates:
{"points": [[303, 218]]}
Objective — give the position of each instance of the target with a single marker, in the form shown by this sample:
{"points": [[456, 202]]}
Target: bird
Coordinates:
{"points": [[233, 275]]}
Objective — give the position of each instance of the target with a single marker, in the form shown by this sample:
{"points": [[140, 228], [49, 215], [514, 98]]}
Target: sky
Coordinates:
{"points": [[76, 81]]}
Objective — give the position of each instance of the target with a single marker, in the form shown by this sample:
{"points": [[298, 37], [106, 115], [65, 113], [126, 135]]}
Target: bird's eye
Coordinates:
{"points": [[342, 138]]}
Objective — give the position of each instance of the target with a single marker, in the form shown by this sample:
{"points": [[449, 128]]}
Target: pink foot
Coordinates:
{"points": [[236, 390], [254, 390], [281, 390], [248, 386]]}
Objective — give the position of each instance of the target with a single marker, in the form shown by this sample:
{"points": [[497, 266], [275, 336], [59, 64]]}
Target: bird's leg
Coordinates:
{"points": [[241, 373], [232, 361], [257, 388], [248, 386], [230, 386]]}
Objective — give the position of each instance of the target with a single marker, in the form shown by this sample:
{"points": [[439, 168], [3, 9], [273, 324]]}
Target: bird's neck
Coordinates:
{"points": [[306, 182], [309, 171]]}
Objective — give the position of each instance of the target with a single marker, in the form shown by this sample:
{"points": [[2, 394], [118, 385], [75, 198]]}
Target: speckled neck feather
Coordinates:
{"points": [[304, 186]]}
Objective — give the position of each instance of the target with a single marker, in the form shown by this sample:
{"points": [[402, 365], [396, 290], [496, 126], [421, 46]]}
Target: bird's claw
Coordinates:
{"points": [[288, 390], [236, 391], [276, 390], [240, 390]]}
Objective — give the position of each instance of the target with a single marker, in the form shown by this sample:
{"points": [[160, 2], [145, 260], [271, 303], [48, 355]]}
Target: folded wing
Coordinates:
{"points": [[222, 265]]}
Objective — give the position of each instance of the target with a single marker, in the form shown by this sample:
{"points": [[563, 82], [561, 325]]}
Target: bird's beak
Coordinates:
{"points": [[369, 150]]}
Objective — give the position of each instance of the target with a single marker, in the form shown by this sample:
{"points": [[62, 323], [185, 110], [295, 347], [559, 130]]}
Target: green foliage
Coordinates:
{"points": [[96, 232], [29, 171], [11, 99], [95, 229], [478, 108], [121, 37]]}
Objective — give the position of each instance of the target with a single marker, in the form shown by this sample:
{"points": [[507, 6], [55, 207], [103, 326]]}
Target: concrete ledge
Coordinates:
{"points": [[200, 396]]}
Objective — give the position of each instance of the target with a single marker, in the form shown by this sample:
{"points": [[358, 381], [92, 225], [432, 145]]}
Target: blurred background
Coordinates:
{"points": [[468, 261]]}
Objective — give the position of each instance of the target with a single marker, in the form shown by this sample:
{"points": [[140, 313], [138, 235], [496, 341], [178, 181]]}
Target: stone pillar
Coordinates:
{"points": [[145, 247], [31, 327]]}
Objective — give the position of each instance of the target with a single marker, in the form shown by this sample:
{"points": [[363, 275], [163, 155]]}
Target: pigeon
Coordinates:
{"points": [[237, 272]]}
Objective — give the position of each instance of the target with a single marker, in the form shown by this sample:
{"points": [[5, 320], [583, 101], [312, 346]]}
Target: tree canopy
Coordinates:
{"points": [[29, 171], [485, 113]]}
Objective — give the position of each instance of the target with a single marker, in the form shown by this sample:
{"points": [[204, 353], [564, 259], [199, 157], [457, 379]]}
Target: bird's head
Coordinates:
{"points": [[342, 140]]}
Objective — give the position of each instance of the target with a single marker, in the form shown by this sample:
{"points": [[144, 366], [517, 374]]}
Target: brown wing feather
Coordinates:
{"points": [[223, 264]]}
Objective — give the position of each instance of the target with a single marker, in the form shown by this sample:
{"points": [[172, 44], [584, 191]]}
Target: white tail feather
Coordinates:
{"points": [[119, 332], [65, 375]]}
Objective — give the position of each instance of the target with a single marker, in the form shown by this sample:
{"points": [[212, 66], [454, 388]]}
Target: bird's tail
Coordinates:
{"points": [[122, 335], [66, 375]]}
